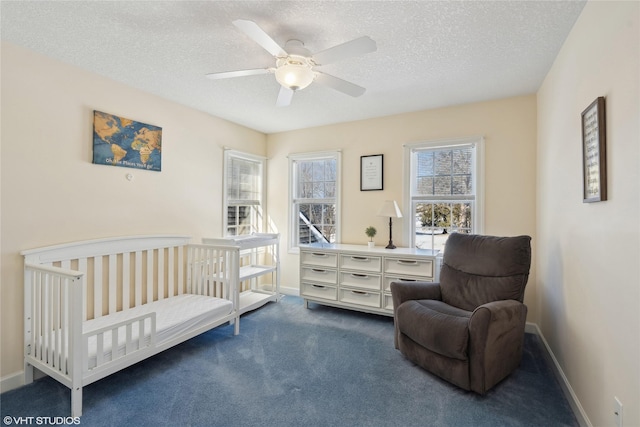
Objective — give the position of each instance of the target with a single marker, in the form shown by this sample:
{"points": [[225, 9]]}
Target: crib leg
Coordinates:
{"points": [[76, 402], [28, 373], [236, 326]]}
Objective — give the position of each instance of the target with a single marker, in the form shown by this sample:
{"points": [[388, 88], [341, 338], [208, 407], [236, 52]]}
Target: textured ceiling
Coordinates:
{"points": [[430, 53]]}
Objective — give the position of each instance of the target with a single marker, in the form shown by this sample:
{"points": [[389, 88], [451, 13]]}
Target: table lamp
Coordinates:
{"points": [[390, 208]]}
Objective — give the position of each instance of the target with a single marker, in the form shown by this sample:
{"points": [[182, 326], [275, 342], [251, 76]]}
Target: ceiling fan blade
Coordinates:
{"points": [[239, 73], [359, 46], [339, 84], [284, 97], [258, 35]]}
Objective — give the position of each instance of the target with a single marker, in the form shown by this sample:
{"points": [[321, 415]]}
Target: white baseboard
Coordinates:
{"points": [[290, 291], [576, 407], [12, 381]]}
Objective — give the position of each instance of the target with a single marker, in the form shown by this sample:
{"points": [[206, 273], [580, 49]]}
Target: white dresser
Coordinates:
{"points": [[359, 278]]}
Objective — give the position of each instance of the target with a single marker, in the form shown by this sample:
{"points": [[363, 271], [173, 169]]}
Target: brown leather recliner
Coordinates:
{"points": [[469, 328]]}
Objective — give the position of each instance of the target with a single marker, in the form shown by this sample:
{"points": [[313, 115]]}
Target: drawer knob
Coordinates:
{"points": [[407, 262], [359, 276], [318, 286], [316, 254], [360, 293], [315, 270], [360, 258]]}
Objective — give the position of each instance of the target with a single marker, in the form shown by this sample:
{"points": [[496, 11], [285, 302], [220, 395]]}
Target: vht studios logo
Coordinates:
{"points": [[41, 421]]}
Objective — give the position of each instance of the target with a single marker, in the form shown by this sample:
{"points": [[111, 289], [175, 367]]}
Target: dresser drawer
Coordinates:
{"points": [[322, 259], [386, 287], [319, 291], [361, 262], [360, 280], [409, 267], [319, 274], [363, 298]]}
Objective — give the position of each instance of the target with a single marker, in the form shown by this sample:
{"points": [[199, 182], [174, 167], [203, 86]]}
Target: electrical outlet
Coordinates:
{"points": [[617, 410]]}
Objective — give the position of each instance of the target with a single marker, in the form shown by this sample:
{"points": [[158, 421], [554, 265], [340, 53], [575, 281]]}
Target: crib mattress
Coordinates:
{"points": [[175, 316]]}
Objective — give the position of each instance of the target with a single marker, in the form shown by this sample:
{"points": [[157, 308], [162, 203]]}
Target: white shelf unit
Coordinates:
{"points": [[259, 257]]}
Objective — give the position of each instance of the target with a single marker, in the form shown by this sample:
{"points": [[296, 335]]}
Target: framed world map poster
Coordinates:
{"points": [[123, 142]]}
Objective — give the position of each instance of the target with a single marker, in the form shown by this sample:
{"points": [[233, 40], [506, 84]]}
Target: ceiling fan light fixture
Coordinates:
{"points": [[294, 75]]}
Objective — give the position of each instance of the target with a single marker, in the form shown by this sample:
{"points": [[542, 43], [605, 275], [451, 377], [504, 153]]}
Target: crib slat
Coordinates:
{"points": [[201, 265], [212, 268], [212, 273], [160, 270], [82, 266], [55, 324], [170, 278], [64, 350], [129, 336], [115, 343], [97, 287], [126, 280], [215, 264], [180, 270], [149, 276], [37, 316], [112, 283], [138, 282], [192, 266], [140, 333], [100, 348], [46, 324]]}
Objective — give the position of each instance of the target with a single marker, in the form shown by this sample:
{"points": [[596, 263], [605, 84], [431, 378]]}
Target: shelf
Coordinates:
{"points": [[251, 271], [250, 300]]}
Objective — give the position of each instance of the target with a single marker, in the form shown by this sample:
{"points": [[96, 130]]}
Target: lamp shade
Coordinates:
{"points": [[390, 209]]}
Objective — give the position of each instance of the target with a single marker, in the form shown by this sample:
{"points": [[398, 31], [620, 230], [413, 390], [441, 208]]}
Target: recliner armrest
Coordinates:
{"points": [[407, 291], [496, 334]]}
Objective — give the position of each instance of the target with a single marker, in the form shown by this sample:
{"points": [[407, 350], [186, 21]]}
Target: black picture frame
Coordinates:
{"points": [[372, 172], [594, 154]]}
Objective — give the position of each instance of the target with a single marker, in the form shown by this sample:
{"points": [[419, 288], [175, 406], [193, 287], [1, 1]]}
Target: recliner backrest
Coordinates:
{"points": [[480, 269]]}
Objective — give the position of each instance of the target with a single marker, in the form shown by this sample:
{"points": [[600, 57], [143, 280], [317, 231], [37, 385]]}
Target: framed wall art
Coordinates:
{"points": [[594, 156], [371, 172], [118, 141]]}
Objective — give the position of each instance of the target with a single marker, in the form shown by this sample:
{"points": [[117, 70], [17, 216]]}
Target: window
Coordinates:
{"points": [[243, 190], [444, 182], [315, 196]]}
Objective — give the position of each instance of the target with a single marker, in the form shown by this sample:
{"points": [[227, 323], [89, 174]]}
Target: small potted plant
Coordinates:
{"points": [[371, 233]]}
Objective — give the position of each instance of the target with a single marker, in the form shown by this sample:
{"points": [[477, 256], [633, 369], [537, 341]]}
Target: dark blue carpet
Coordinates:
{"points": [[296, 367]]}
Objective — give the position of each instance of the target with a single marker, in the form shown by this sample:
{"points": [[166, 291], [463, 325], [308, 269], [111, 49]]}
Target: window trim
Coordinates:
{"points": [[409, 231], [292, 244], [230, 153]]}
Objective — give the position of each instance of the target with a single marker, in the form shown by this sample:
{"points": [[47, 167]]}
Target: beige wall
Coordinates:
{"points": [[52, 193], [589, 254], [509, 129]]}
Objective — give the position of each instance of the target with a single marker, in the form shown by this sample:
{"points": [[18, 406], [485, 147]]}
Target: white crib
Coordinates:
{"points": [[95, 307]]}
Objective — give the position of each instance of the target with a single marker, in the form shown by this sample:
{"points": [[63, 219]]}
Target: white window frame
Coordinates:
{"points": [[477, 220], [260, 202], [293, 246]]}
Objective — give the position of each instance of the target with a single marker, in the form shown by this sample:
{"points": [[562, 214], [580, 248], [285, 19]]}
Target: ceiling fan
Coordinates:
{"points": [[295, 65]]}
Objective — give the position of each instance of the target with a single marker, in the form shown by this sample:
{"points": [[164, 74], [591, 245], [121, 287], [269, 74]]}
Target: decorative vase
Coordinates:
{"points": [[371, 244]]}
